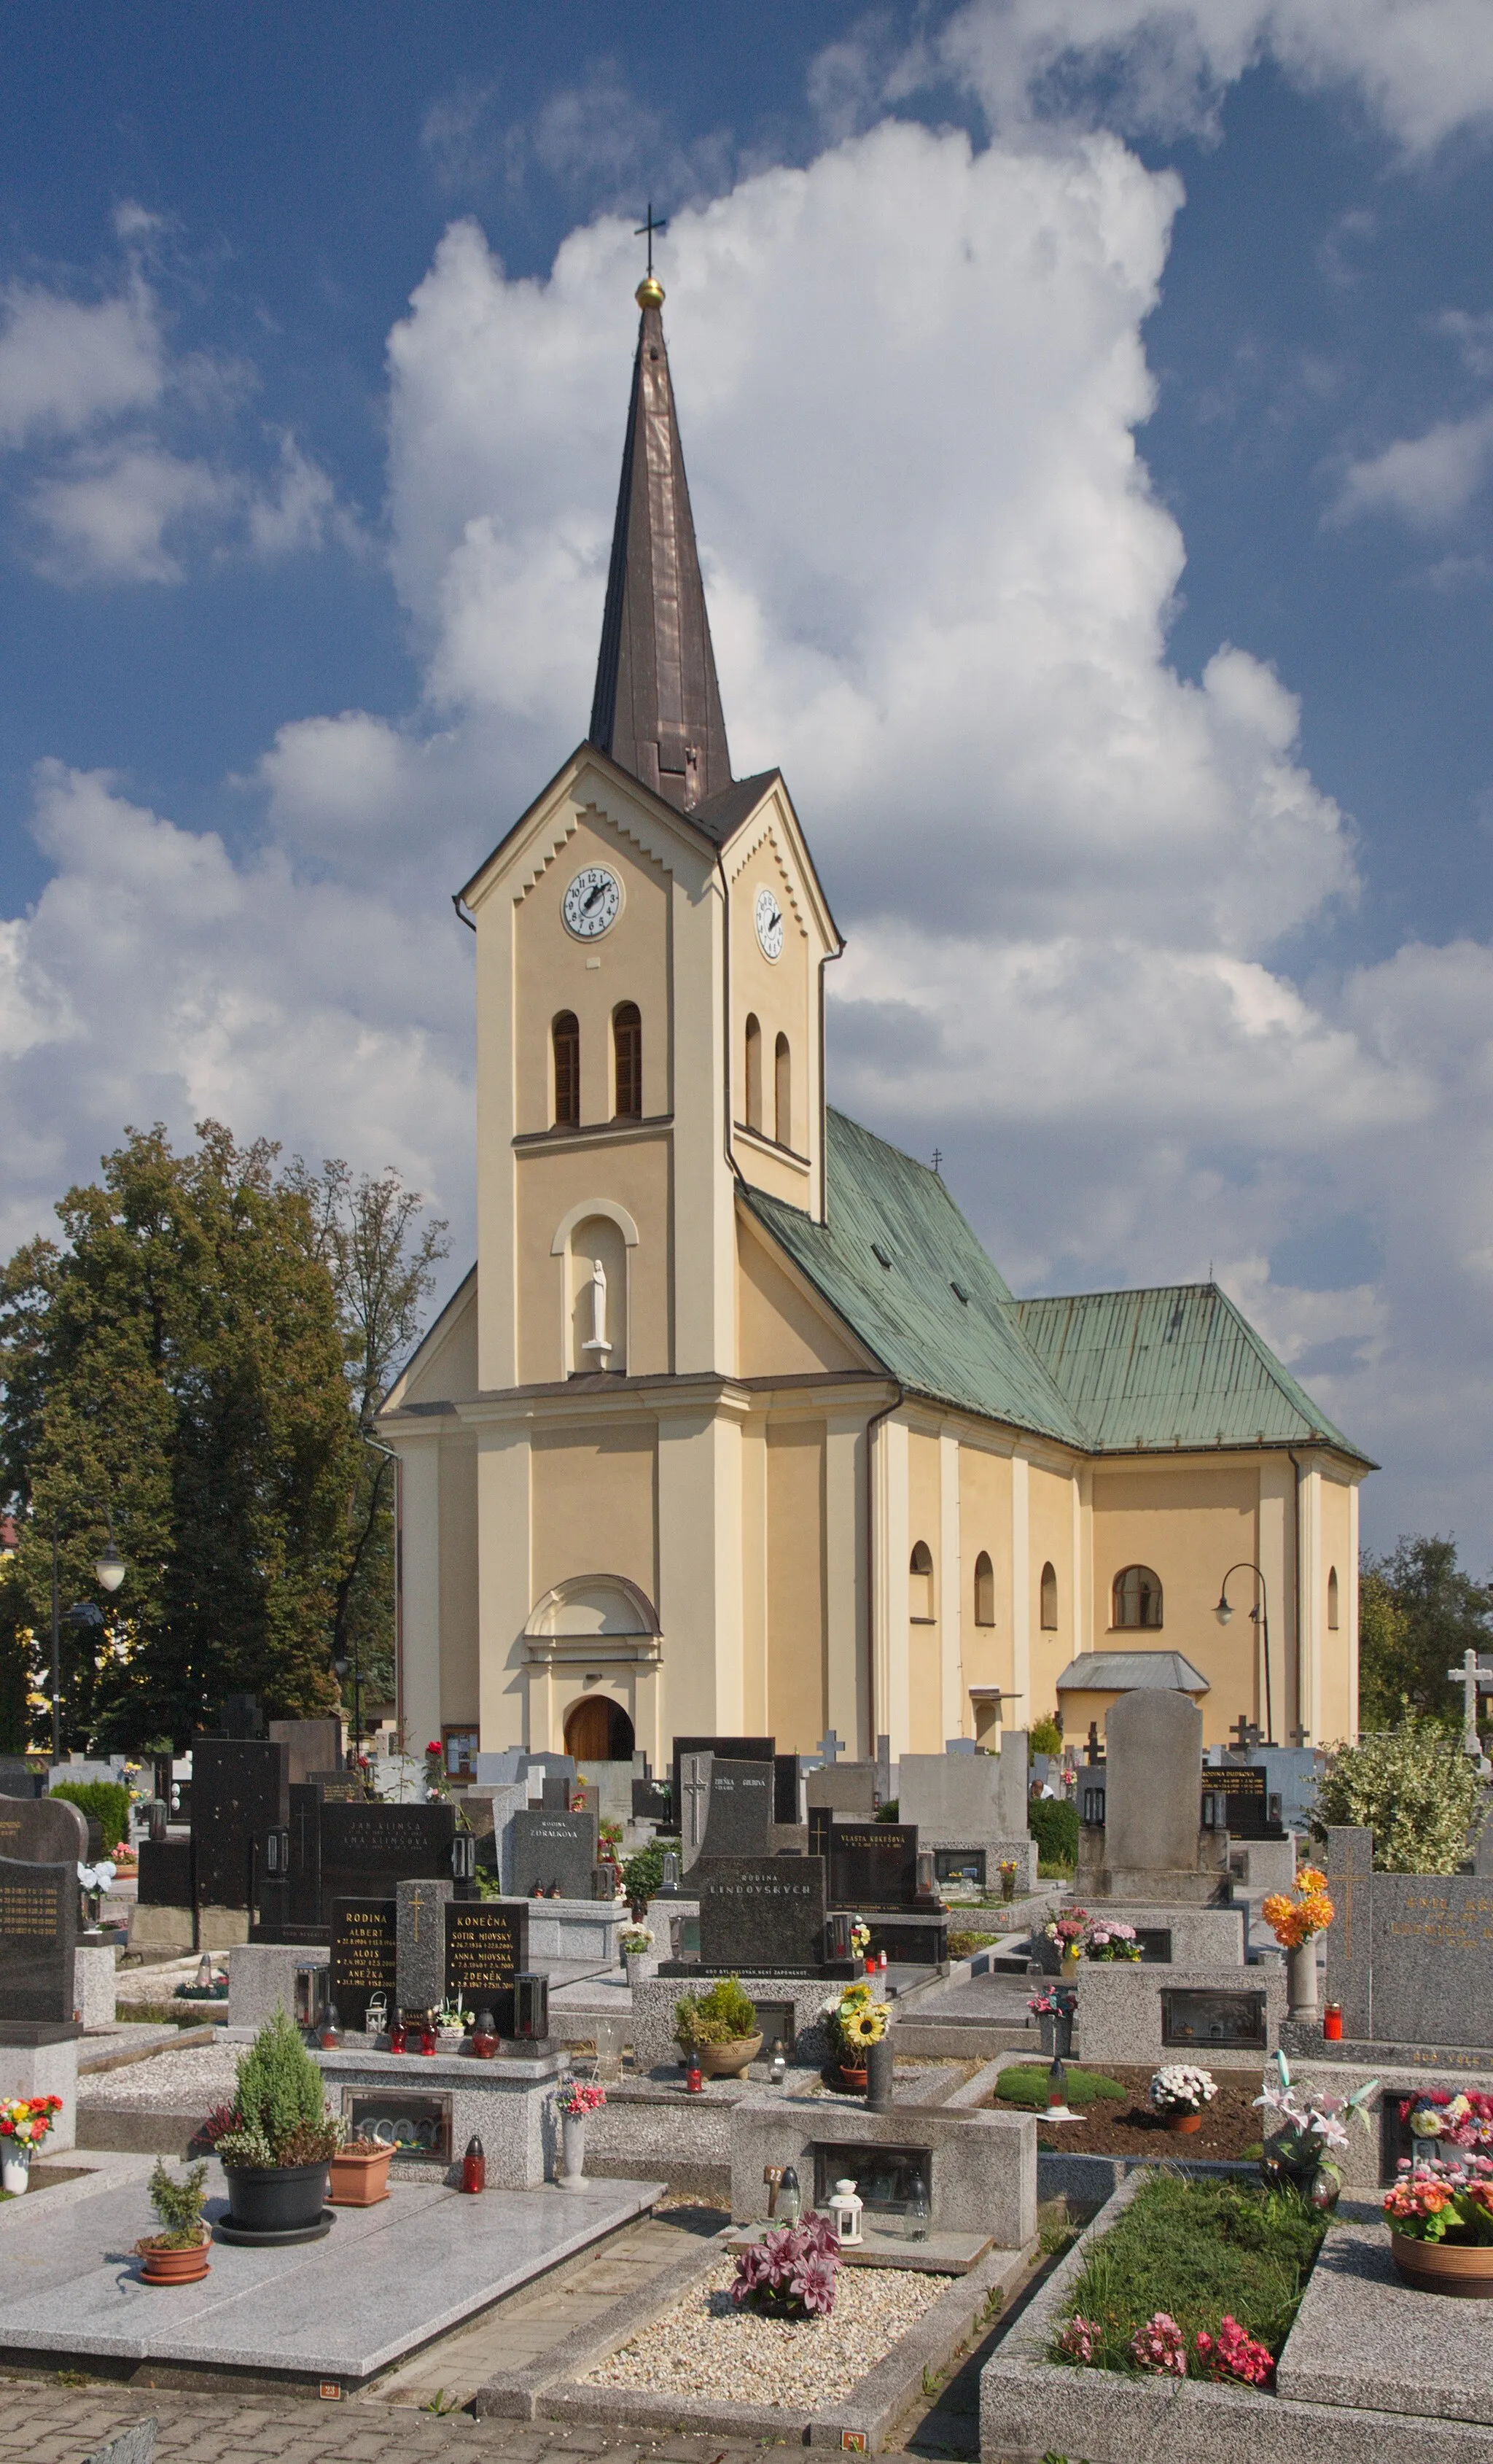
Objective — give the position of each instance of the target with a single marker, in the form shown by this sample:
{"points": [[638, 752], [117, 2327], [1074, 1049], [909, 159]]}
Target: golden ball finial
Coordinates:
{"points": [[650, 293]]}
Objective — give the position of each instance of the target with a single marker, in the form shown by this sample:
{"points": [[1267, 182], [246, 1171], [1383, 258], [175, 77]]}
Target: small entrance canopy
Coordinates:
{"points": [[1131, 1672]]}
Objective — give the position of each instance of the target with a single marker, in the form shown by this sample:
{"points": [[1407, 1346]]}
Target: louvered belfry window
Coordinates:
{"points": [[628, 1057], [567, 1035]]}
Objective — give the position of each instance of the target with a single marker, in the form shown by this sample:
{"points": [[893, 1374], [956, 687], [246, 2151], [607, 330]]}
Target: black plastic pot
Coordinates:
{"points": [[275, 2198]]}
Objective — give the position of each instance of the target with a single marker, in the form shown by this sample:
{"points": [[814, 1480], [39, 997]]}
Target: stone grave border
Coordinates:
{"points": [[1030, 2408], [551, 2390]]}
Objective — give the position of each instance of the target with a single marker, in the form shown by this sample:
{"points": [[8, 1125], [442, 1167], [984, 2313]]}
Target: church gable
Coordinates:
{"points": [[443, 1367], [784, 1328]]}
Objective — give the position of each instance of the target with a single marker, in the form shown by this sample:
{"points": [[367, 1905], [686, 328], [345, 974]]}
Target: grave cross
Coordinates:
{"points": [[417, 1901], [694, 1789], [830, 1746], [1301, 1736], [1091, 1752], [1240, 1733], [1475, 1676]]}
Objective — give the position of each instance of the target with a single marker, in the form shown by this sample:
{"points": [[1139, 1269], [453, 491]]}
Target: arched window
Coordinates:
{"points": [[1332, 1599], [1137, 1597], [783, 1093], [565, 1036], [627, 1062], [1049, 1598], [920, 1585], [754, 1073], [984, 1590]]}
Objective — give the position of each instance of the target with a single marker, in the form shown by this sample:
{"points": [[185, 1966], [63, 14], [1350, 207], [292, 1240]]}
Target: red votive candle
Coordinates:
{"points": [[1332, 2023]]}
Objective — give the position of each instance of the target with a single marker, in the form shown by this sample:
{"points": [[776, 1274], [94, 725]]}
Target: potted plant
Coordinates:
{"points": [[1441, 2221], [452, 2023], [1310, 2131], [637, 1940], [1178, 2092], [24, 2123], [790, 2273], [1296, 1918], [177, 2255], [719, 2029], [577, 2099], [855, 2022], [361, 2173], [1107, 1940], [277, 2153]]}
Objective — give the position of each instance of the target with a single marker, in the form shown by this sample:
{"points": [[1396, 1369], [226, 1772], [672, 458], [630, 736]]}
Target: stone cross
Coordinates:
{"points": [[1475, 1676], [830, 1746], [1240, 1733], [1301, 1736], [1091, 1752]]}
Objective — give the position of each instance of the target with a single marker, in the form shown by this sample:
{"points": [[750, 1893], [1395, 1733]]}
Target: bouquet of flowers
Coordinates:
{"points": [[1180, 2087], [26, 2120], [580, 2097], [1295, 1915], [790, 2274], [1439, 2201], [1058, 2002], [1107, 1940], [94, 1881], [1007, 1869], [1464, 2121], [859, 1938], [635, 1939], [1068, 1932], [856, 2021], [1310, 2130]]}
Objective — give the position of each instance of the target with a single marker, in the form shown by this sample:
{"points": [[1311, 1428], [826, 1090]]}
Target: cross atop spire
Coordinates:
{"points": [[649, 225], [658, 704]]}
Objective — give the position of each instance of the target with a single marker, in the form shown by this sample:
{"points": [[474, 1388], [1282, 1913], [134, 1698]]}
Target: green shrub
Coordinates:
{"points": [[722, 2016], [1197, 2250], [107, 1800], [1026, 2084], [1045, 1737], [642, 1875], [279, 2091], [1415, 1789], [1053, 1823], [889, 1811], [179, 2205]]}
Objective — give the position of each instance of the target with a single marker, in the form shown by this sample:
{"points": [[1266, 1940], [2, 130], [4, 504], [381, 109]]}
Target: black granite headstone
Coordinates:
{"points": [[1247, 1807], [340, 1787], [761, 1915], [19, 1779], [739, 1817], [786, 1776], [1191, 2018], [651, 1802], [873, 1865], [38, 1935], [550, 1848], [42, 1831], [240, 1791], [364, 1952], [554, 1792], [487, 1945], [165, 1874], [313, 1745], [368, 1849], [303, 1897], [242, 1717]]}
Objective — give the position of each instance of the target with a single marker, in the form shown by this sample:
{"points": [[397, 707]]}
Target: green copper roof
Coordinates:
{"points": [[1103, 1371]]}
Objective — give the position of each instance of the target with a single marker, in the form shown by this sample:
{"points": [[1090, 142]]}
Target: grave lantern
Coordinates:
{"points": [[158, 1819], [464, 1857], [531, 2004], [473, 2166], [329, 2027], [375, 2017], [779, 2070], [837, 1935], [924, 1874], [277, 1852], [844, 2211], [790, 2197], [670, 1886], [484, 2036]]}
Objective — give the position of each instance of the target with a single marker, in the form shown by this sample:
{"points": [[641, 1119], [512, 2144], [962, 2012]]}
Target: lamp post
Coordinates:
{"points": [[339, 1669], [110, 1570], [1262, 1618]]}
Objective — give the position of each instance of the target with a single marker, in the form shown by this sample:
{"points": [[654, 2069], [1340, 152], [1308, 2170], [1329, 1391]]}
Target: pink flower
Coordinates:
{"points": [[1161, 2347], [1234, 2354], [1077, 2339]]}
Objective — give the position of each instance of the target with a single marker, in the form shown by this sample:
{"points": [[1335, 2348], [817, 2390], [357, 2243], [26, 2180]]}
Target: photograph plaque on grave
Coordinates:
{"points": [[487, 1945], [364, 1956], [38, 1936], [1199, 2020]]}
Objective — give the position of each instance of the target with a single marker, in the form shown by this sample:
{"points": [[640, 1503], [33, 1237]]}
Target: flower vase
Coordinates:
{"points": [[879, 2075], [572, 2127], [1057, 2035], [1070, 1964], [1301, 1980], [632, 1961], [16, 2168]]}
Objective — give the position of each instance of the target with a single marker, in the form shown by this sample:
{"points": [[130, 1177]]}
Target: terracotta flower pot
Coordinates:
{"points": [[1463, 2269], [728, 2060], [158, 2266], [1184, 2120], [358, 2180], [853, 2078]]}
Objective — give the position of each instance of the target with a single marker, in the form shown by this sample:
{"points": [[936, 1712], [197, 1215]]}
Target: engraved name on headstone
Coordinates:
{"points": [[487, 1945], [554, 1848], [763, 1915], [364, 1956], [370, 1848], [38, 1936], [873, 1865]]}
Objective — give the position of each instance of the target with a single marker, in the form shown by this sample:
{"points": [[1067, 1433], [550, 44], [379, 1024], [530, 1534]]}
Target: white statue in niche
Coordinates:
{"points": [[598, 1345]]}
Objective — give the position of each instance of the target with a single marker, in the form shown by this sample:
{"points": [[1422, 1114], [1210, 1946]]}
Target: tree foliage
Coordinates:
{"points": [[1413, 1788], [1418, 1614]]}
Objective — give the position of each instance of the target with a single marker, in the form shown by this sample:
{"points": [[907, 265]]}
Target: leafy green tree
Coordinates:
{"points": [[1418, 1614], [1415, 1789]]}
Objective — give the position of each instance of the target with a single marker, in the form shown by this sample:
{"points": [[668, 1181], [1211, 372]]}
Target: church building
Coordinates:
{"points": [[734, 1428]]}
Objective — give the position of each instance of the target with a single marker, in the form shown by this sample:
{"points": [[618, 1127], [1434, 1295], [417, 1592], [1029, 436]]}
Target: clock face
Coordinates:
{"points": [[769, 924], [592, 902]]}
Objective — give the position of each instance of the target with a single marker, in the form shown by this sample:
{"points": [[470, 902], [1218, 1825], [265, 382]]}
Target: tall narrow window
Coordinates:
{"points": [[565, 1035], [1137, 1597], [920, 1585], [783, 1091], [1049, 1598], [753, 1074], [1332, 1599], [627, 1058], [984, 1590]]}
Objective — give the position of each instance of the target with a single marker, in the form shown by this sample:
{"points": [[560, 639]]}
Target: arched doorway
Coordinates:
{"points": [[597, 1732]]}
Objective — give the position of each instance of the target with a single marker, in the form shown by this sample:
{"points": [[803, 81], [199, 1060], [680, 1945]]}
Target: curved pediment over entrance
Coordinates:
{"points": [[593, 1605]]}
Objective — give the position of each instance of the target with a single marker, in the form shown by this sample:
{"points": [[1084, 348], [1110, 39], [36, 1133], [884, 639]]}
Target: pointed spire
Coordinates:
{"points": [[657, 705]]}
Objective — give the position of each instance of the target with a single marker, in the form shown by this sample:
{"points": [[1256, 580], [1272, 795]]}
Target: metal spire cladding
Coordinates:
{"points": [[657, 705]]}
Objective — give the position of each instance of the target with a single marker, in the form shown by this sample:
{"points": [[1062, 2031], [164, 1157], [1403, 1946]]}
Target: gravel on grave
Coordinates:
{"points": [[706, 2346], [192, 2080]]}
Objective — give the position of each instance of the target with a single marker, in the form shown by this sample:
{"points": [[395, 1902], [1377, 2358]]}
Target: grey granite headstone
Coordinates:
{"points": [[420, 1951], [873, 1865], [489, 1808], [1410, 1956], [311, 1745], [739, 1818], [1349, 1866], [551, 1848], [974, 1797], [1153, 1751], [761, 1915], [847, 1789], [498, 1770], [42, 1831], [38, 1936]]}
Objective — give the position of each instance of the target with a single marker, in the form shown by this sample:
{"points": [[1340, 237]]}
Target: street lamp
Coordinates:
{"points": [[1262, 1618], [339, 1669], [110, 1570]]}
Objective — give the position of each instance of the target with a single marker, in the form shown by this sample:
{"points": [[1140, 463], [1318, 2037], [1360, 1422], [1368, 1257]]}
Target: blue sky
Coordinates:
{"points": [[1128, 384]]}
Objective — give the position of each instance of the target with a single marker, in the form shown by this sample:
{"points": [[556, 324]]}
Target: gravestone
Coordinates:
{"points": [[959, 1799], [242, 1716], [39, 1937], [608, 1789], [239, 1794], [1151, 1849], [1410, 1956], [1191, 2018], [498, 1770], [1245, 1801], [165, 1872], [367, 1848], [311, 1745], [42, 1831], [762, 1916], [651, 1803], [847, 1789], [365, 1957], [694, 1801], [340, 1787], [19, 1779], [487, 1945], [303, 1896], [551, 1848], [554, 1792], [420, 1946], [737, 1750], [873, 1865], [739, 1815], [491, 1808], [788, 1775]]}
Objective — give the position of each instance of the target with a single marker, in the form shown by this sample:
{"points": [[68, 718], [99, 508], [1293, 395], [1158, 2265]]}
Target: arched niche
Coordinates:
{"points": [[592, 1606], [595, 1240]]}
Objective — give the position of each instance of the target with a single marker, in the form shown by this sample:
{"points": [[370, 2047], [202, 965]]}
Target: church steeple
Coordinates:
{"points": [[657, 705]]}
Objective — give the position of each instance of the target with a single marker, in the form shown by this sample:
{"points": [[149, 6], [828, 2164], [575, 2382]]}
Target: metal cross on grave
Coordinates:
{"points": [[1091, 1752], [1475, 1676], [830, 1746], [1301, 1736], [1243, 1732], [417, 1901]]}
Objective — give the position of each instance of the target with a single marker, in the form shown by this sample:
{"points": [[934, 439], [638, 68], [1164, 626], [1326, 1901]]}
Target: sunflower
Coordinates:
{"points": [[866, 2027]]}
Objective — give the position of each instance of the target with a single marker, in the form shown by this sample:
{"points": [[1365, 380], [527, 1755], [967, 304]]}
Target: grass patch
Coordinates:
{"points": [[167, 2015], [1026, 2084], [1197, 2250], [964, 1945], [1054, 1869]]}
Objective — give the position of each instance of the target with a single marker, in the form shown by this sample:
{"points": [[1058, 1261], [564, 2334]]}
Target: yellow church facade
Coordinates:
{"points": [[734, 1428]]}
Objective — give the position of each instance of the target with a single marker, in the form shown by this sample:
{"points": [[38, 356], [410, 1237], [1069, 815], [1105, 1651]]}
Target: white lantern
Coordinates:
{"points": [[844, 2209]]}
